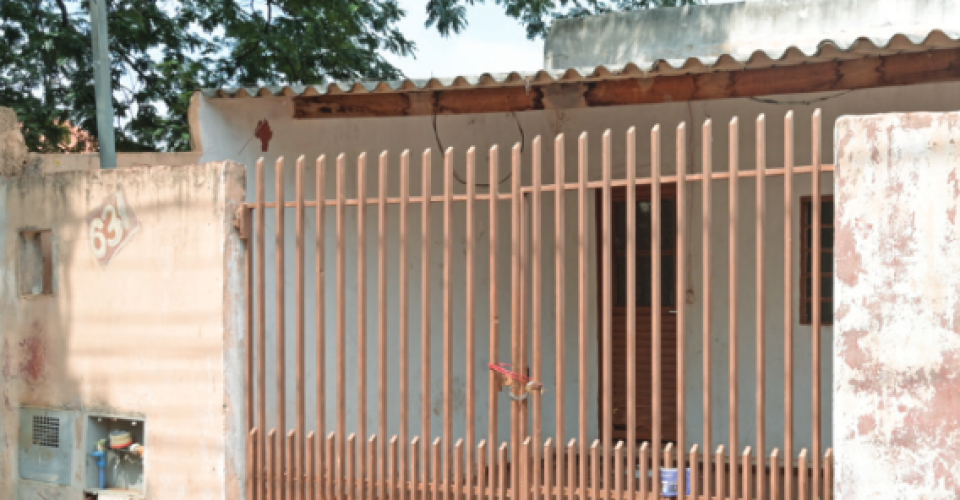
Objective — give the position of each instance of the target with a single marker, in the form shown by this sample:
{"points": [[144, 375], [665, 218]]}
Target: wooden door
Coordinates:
{"points": [[668, 343]]}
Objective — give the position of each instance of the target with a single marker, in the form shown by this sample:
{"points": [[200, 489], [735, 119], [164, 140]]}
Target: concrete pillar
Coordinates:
{"points": [[897, 329]]}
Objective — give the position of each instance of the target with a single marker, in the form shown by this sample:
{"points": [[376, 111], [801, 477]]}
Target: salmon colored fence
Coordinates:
{"points": [[287, 462]]}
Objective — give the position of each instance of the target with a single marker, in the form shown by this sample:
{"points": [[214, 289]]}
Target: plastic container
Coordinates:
{"points": [[669, 480]]}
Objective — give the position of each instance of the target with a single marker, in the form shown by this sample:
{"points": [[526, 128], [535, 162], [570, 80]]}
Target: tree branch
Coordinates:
{"points": [[64, 15]]}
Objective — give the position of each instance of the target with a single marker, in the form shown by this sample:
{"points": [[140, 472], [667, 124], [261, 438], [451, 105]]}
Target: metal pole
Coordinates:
{"points": [[101, 72]]}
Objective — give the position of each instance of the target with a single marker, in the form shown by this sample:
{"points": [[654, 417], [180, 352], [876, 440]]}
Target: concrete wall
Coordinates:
{"points": [[228, 124], [739, 29], [147, 335], [51, 163], [898, 328]]}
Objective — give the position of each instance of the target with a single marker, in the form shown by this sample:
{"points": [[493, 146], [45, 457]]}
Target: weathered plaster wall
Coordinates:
{"points": [[897, 378], [146, 335], [739, 29], [51, 163]]}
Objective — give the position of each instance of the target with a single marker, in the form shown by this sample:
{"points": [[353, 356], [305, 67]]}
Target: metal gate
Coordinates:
{"points": [[298, 459]]}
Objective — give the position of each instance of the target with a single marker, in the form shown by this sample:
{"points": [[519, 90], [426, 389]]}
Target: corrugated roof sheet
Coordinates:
{"points": [[826, 50]]}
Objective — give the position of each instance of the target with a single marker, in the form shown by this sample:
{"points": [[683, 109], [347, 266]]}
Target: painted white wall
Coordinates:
{"points": [[227, 126]]}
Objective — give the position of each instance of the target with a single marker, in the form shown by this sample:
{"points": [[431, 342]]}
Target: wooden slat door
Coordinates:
{"points": [[644, 396]]}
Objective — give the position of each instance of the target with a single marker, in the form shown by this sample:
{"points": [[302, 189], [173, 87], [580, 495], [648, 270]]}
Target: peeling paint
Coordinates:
{"points": [[897, 392]]}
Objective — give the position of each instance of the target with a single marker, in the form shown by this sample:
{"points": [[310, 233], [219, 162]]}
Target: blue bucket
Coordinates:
{"points": [[669, 480]]}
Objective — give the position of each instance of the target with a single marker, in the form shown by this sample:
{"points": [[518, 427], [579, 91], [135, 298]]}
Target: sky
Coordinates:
{"points": [[492, 43]]}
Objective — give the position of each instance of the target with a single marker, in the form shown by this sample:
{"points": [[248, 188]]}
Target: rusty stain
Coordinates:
{"points": [[264, 133], [33, 356]]}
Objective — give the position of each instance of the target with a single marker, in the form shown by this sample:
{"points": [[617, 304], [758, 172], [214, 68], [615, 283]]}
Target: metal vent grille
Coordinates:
{"points": [[46, 431]]}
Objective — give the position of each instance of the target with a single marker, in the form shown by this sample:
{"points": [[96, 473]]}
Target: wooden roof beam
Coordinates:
{"points": [[868, 72]]}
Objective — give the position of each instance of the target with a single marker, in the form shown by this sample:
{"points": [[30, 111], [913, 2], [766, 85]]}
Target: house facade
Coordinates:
{"points": [[665, 67]]}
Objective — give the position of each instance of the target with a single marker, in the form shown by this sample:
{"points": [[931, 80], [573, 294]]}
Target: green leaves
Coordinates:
{"points": [[161, 52]]}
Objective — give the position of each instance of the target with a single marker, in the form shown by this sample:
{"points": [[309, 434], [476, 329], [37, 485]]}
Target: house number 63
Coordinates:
{"points": [[107, 231]]}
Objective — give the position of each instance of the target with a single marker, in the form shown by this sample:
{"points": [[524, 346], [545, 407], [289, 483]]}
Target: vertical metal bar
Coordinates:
{"points": [[425, 355], [369, 488], [382, 343], [571, 469], [537, 286], [523, 489], [447, 313], [705, 225], [595, 469], [775, 476], [351, 481], [802, 473], [720, 475], [281, 320], [656, 291], [694, 474], [828, 475], [515, 316], [253, 472], [494, 305], [458, 470], [522, 363], [607, 303], [272, 465], [415, 482], [788, 303], [547, 468], [391, 479], [816, 309], [471, 312], [761, 304], [503, 471], [631, 151], [330, 482], [260, 256], [320, 240], [643, 469], [415, 469], [747, 468], [361, 252], [482, 470], [405, 318], [341, 318], [310, 475], [618, 464], [289, 473], [560, 297], [248, 300], [733, 220], [437, 484], [681, 304], [582, 306], [301, 322]]}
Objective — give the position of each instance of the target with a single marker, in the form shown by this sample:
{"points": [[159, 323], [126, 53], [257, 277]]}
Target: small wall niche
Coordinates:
{"points": [[123, 474], [35, 266]]}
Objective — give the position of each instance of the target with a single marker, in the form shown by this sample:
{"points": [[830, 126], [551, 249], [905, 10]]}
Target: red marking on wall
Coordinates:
{"points": [[33, 357], [264, 133]]}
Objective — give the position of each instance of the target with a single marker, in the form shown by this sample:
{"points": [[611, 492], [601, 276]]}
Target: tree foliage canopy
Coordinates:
{"points": [[163, 50]]}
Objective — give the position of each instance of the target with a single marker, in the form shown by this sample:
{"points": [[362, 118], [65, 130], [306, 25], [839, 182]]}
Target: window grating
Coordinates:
{"points": [[46, 431]]}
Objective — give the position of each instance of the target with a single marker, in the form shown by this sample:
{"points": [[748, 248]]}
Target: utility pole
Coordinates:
{"points": [[104, 92]]}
